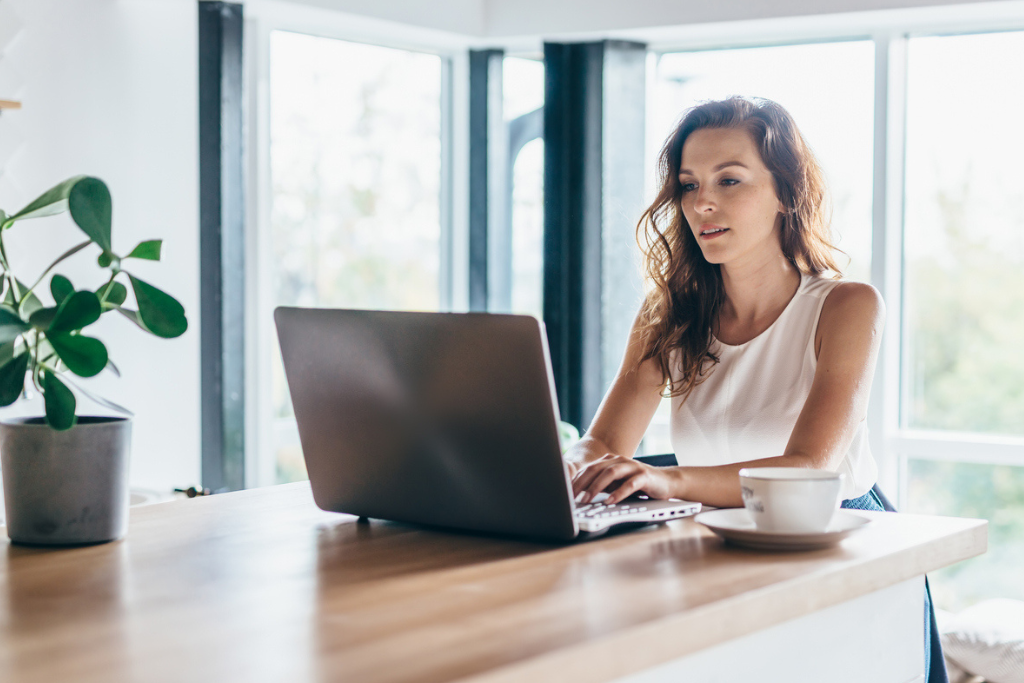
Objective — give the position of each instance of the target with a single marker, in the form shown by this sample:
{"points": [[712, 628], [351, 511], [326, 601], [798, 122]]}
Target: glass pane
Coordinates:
{"points": [[528, 230], [522, 84], [995, 493], [964, 239], [355, 157], [829, 90], [523, 92]]}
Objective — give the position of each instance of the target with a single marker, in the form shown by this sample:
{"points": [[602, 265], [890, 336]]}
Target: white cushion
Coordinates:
{"points": [[988, 640]]}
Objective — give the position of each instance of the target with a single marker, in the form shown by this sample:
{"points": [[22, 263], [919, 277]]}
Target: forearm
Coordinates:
{"points": [[719, 486]]}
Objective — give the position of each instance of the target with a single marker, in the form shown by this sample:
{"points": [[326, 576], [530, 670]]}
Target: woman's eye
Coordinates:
{"points": [[689, 187], [729, 182]]}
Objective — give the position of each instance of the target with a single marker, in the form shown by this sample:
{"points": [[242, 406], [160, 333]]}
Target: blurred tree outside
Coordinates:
{"points": [[965, 310], [992, 492], [965, 370]]}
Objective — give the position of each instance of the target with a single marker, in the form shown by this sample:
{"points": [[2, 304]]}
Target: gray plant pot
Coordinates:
{"points": [[66, 488]]}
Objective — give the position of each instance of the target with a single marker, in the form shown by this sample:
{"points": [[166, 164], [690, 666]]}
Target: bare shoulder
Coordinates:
{"points": [[852, 307], [854, 299]]}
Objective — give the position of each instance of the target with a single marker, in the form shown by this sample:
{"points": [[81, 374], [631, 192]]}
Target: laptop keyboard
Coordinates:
{"points": [[602, 511]]}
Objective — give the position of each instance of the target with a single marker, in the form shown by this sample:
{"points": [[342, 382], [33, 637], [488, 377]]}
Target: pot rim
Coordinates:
{"points": [[90, 421]]}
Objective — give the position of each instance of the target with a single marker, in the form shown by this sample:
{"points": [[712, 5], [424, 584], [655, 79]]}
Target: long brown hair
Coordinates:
{"points": [[685, 292]]}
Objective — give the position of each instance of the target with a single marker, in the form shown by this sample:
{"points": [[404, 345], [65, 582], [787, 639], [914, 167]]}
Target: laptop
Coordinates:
{"points": [[442, 419]]}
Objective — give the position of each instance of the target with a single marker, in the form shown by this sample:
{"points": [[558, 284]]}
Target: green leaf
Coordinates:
{"points": [[105, 259], [6, 353], [134, 317], [32, 303], [59, 401], [61, 288], [149, 250], [43, 318], [90, 206], [160, 312], [116, 293], [11, 325], [78, 310], [84, 356], [53, 201], [12, 374]]}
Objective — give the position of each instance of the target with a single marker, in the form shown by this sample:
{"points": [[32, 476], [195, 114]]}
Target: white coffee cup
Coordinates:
{"points": [[790, 500]]}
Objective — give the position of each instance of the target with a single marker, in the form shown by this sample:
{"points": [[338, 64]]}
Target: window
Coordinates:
{"points": [[528, 230], [355, 166], [523, 94], [829, 90], [963, 370], [964, 242]]}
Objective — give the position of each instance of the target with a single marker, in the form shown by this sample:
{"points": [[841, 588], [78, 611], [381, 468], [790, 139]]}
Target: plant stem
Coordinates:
{"points": [[70, 252], [8, 275], [106, 288], [36, 364]]}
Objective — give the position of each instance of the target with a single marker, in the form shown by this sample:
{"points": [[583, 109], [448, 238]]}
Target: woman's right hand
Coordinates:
{"points": [[621, 477]]}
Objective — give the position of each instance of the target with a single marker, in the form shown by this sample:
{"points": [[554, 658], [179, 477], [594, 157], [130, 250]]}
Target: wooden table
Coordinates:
{"points": [[260, 585]]}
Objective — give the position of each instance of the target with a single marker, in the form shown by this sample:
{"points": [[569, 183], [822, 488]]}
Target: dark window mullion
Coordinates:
{"points": [[222, 246]]}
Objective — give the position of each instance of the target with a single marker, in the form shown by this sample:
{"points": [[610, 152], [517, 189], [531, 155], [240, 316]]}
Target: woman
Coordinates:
{"points": [[768, 357]]}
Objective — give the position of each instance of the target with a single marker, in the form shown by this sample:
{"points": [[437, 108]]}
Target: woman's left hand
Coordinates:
{"points": [[622, 477]]}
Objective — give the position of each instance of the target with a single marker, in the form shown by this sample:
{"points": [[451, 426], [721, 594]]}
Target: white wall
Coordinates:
{"points": [[109, 88], [496, 19], [560, 17], [465, 17]]}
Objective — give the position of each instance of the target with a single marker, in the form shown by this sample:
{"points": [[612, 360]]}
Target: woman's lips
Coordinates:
{"points": [[710, 232]]}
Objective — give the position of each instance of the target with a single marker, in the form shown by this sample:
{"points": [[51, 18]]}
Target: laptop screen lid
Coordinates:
{"points": [[446, 419]]}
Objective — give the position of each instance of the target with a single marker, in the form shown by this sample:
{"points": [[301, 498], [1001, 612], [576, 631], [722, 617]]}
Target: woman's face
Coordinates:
{"points": [[729, 196]]}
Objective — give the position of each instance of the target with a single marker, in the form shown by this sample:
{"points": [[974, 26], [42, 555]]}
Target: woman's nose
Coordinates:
{"points": [[703, 200]]}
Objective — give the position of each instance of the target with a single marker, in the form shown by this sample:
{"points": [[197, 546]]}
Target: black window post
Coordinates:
{"points": [[593, 195], [488, 231], [221, 246]]}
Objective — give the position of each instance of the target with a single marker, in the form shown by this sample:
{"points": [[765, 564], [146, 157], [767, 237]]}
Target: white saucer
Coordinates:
{"points": [[735, 526]]}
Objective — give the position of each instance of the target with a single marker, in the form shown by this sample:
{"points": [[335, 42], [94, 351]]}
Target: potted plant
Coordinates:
{"points": [[66, 477]]}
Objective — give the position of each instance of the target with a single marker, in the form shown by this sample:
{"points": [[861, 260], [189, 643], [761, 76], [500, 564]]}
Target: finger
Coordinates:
{"points": [[607, 477], [590, 470], [626, 489], [587, 475], [593, 469]]}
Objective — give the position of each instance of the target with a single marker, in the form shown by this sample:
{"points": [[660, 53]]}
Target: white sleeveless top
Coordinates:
{"points": [[747, 406]]}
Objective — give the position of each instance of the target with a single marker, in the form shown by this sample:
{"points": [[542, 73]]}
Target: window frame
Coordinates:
{"points": [[265, 433]]}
